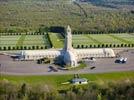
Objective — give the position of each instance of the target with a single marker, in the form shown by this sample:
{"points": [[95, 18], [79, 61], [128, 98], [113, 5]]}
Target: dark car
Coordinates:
{"points": [[53, 69], [93, 67]]}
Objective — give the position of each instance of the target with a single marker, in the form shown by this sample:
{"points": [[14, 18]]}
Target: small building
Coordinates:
{"points": [[79, 81]]}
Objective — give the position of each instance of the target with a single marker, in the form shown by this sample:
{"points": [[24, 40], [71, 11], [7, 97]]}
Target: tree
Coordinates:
{"points": [[125, 45], [102, 45], [129, 45], [22, 91], [118, 45], [45, 47], [13, 48], [25, 48], [122, 45], [94, 46], [21, 47], [17, 47], [37, 47], [82, 46], [99, 97], [29, 48], [98, 45], [114, 45], [70, 95], [33, 47], [41, 47], [9, 48], [78, 46], [110, 45], [4, 48], [106, 45]]}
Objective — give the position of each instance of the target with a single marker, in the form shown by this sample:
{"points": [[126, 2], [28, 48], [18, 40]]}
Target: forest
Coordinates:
{"points": [[93, 16], [109, 91]]}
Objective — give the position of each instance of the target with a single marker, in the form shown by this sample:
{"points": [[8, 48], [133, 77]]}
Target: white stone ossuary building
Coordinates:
{"points": [[70, 56]]}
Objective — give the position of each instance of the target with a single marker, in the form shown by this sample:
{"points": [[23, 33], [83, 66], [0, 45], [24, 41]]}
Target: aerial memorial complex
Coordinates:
{"points": [[66, 49], [68, 54]]}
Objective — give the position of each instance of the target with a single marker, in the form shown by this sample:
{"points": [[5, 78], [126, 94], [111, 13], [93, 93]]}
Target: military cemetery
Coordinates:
{"points": [[66, 49]]}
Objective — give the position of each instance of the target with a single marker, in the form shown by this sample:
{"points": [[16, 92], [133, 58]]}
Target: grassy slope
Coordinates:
{"points": [[20, 40], [97, 39], [56, 40], [121, 39], [56, 80], [21, 15]]}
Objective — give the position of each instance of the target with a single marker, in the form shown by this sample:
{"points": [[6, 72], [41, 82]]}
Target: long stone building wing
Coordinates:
{"points": [[86, 53], [38, 54]]}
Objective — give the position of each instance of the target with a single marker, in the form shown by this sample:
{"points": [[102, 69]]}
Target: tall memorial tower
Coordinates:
{"points": [[68, 39]]}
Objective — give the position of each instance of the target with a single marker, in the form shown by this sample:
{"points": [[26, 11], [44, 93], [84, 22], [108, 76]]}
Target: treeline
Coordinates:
{"points": [[98, 32], [108, 91], [31, 47], [48, 38], [28, 33], [103, 46]]}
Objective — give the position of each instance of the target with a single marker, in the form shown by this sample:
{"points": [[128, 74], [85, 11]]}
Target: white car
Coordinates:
{"points": [[121, 60]]}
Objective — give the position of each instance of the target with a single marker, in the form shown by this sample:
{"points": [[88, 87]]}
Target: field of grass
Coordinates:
{"points": [[57, 40], [24, 40], [8, 40], [108, 39], [37, 40], [57, 80], [127, 38], [21, 40], [93, 39]]}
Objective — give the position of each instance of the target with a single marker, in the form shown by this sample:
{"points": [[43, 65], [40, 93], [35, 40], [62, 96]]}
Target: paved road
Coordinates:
{"points": [[8, 66]]}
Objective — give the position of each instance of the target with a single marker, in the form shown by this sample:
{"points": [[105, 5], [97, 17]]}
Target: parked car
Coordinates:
{"points": [[93, 59], [92, 67], [121, 60], [53, 69]]}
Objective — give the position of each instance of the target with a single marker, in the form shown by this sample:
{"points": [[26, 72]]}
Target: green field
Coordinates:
{"points": [[93, 39], [8, 40], [24, 40], [96, 39], [57, 80], [57, 40]]}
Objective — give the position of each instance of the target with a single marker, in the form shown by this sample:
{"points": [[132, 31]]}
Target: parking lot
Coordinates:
{"points": [[8, 66]]}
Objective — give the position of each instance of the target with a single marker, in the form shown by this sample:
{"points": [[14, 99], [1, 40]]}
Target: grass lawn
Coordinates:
{"points": [[24, 40], [56, 80], [127, 38], [20, 40], [8, 40], [105, 38], [93, 39], [57, 40], [36, 40]]}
